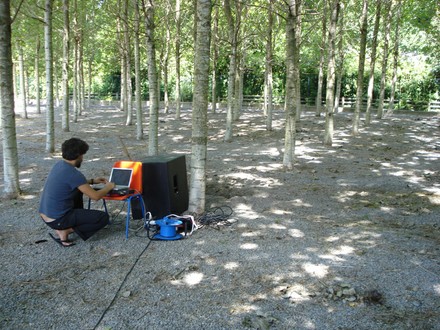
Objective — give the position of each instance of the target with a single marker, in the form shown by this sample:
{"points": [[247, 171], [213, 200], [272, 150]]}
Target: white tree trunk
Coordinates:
{"points": [[387, 28], [22, 82], [395, 59], [9, 139], [137, 69], [331, 75], [361, 68], [231, 73], [153, 144], [291, 90], [373, 63], [50, 127], [200, 109], [321, 60], [65, 83], [177, 58]]}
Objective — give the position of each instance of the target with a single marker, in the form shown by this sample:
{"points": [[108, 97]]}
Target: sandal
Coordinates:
{"points": [[65, 243]]}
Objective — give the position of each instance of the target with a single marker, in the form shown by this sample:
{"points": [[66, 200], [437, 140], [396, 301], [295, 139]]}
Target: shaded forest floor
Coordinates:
{"points": [[349, 239]]}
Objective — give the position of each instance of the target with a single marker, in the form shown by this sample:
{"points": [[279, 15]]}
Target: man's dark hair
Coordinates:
{"points": [[73, 148]]}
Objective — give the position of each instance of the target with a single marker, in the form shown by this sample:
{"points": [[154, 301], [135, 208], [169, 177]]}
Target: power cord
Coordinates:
{"points": [[121, 285], [215, 216]]}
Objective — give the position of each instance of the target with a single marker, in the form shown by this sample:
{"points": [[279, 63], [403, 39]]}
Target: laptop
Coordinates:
{"points": [[120, 176]]}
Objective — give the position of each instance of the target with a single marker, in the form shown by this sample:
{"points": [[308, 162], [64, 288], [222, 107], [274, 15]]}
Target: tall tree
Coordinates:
{"points": [[292, 64], [137, 69], [215, 53], [373, 62], [268, 86], [323, 53], [153, 144], [50, 125], [22, 82], [361, 67], [329, 98], [199, 137], [232, 28], [341, 56], [65, 84], [37, 75], [387, 28], [395, 57], [177, 56], [9, 138]]}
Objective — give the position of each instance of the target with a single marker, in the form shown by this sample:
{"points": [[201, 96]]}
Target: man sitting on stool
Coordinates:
{"points": [[61, 205]]}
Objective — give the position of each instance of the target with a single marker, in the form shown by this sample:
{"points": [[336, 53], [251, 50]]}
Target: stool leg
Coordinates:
{"points": [[127, 221]]}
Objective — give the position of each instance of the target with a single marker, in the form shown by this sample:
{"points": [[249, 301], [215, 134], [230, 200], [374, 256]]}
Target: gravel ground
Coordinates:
{"points": [[349, 239]]}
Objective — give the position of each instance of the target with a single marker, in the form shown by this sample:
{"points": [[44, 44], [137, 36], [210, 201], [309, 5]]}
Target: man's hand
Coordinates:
{"points": [[100, 180]]}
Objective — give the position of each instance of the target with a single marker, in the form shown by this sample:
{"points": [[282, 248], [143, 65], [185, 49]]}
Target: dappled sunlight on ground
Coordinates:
{"points": [[303, 247]]}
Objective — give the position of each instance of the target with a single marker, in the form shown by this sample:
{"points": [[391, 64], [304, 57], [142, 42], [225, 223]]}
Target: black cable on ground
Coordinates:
{"points": [[216, 216], [122, 284]]}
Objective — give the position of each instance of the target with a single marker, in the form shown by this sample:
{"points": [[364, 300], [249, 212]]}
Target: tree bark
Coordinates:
{"points": [[330, 93], [268, 90], [232, 70], [37, 76], [321, 60], [177, 58], [361, 68], [199, 136], [341, 56], [373, 62], [66, 46], [9, 138], [395, 58], [50, 127], [387, 28], [292, 63], [215, 50], [137, 69], [153, 144], [22, 82]]}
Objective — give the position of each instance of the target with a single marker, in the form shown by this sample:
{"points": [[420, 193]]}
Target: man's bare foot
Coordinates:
{"points": [[64, 234]]}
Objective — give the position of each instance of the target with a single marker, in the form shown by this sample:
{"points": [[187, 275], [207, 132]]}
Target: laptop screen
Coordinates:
{"points": [[121, 176]]}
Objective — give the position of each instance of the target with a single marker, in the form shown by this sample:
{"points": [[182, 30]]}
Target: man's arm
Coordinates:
{"points": [[96, 195]]}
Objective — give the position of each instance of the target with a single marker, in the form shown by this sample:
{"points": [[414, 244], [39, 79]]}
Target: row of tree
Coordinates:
{"points": [[276, 40]]}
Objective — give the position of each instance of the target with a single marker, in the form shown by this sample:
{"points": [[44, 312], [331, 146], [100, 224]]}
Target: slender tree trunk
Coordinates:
{"points": [[137, 69], [11, 187], [66, 46], [395, 58], [199, 136], [37, 76], [373, 62], [321, 60], [22, 82], [268, 95], [166, 60], [75, 86], [297, 66], [50, 127], [341, 55], [387, 27], [177, 58], [153, 144], [232, 69], [127, 64], [361, 68], [330, 93], [291, 90], [215, 47]]}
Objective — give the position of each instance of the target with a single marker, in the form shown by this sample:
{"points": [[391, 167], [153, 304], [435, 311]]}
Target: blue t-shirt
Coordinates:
{"points": [[60, 189]]}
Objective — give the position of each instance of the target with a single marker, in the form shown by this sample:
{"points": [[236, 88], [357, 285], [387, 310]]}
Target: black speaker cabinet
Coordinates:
{"points": [[165, 185]]}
